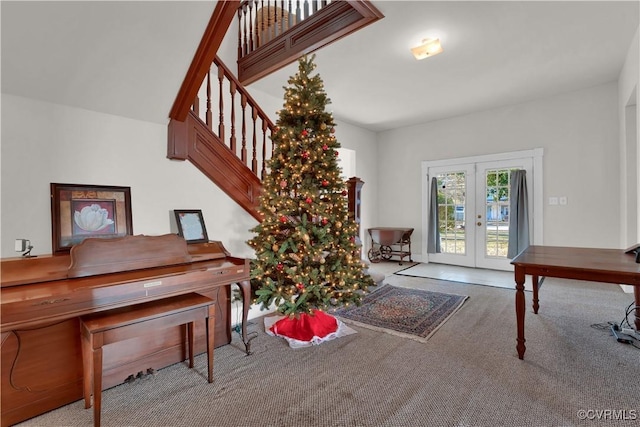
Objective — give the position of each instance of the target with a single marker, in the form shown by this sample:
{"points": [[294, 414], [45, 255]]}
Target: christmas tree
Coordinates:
{"points": [[306, 253]]}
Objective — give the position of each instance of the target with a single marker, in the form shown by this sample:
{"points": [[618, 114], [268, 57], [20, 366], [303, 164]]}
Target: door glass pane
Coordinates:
{"points": [[497, 212], [451, 212]]}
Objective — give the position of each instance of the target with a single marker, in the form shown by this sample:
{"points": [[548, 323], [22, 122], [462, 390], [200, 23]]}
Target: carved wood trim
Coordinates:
{"points": [[336, 20]]}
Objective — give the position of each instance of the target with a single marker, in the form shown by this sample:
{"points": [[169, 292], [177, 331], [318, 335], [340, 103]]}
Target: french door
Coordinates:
{"points": [[473, 211]]}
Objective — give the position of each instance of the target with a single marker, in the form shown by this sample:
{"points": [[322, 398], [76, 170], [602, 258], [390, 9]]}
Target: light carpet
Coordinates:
{"points": [[473, 276], [467, 374], [411, 313]]}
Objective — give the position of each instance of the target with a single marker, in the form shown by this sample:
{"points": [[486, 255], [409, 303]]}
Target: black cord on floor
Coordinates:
{"points": [[617, 327]]}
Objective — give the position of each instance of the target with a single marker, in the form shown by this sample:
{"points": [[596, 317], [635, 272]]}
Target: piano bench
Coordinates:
{"points": [[103, 328]]}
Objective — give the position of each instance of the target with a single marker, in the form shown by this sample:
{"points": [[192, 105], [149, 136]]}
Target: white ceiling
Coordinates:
{"points": [[129, 58]]}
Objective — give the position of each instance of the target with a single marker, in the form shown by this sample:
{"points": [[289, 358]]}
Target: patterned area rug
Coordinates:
{"points": [[411, 313]]}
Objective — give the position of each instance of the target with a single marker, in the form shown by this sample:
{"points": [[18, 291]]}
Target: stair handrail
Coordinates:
{"points": [[267, 126]]}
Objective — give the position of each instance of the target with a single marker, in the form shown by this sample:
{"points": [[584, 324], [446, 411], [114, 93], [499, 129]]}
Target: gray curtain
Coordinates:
{"points": [[518, 214], [433, 239]]}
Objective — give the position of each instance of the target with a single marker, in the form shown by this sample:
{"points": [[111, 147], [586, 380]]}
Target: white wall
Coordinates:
{"points": [[44, 143], [363, 142], [629, 119], [578, 132]]}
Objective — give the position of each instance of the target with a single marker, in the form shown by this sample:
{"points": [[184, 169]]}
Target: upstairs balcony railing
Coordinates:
{"points": [[274, 33], [260, 21]]}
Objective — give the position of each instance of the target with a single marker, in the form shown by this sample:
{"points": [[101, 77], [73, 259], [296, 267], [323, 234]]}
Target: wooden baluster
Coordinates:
{"points": [[243, 152], [254, 160], [298, 12], [257, 29], [240, 52], [247, 41], [232, 141], [221, 103], [253, 38], [208, 118], [291, 16], [314, 4], [270, 28], [264, 149], [279, 18]]}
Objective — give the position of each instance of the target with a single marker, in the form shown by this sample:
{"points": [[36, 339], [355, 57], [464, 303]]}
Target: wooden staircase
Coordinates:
{"points": [[234, 151]]}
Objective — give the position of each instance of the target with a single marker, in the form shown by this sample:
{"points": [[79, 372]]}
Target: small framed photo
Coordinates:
{"points": [[191, 225], [80, 211]]}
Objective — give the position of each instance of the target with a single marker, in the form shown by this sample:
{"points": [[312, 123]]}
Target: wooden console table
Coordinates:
{"points": [[595, 265]]}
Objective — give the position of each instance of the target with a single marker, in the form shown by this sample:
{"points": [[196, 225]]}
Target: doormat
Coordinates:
{"points": [[411, 313], [466, 275]]}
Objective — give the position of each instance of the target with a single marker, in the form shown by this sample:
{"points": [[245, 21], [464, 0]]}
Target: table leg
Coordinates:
{"points": [[636, 292], [536, 303], [520, 307]]}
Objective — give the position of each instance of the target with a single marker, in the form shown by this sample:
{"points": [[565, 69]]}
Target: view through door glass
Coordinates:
{"points": [[451, 212], [473, 212], [456, 193], [497, 184], [492, 221]]}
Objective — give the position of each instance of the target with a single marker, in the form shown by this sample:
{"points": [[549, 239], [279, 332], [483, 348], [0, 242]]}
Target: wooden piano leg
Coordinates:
{"points": [[245, 286]]}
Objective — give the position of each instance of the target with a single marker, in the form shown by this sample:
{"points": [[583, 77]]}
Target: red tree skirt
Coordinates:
{"points": [[306, 327]]}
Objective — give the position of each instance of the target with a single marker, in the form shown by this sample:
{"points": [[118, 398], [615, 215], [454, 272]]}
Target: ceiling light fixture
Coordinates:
{"points": [[429, 47]]}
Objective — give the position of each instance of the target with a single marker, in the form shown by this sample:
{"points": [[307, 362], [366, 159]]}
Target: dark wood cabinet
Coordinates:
{"points": [[354, 189]]}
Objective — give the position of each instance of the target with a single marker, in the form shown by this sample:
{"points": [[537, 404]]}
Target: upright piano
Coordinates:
{"points": [[43, 297]]}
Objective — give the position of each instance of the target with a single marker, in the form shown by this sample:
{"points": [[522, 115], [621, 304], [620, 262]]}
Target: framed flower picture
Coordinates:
{"points": [[81, 211], [191, 226]]}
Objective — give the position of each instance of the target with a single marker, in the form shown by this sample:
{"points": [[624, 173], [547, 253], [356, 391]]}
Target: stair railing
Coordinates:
{"points": [[260, 21], [241, 124]]}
